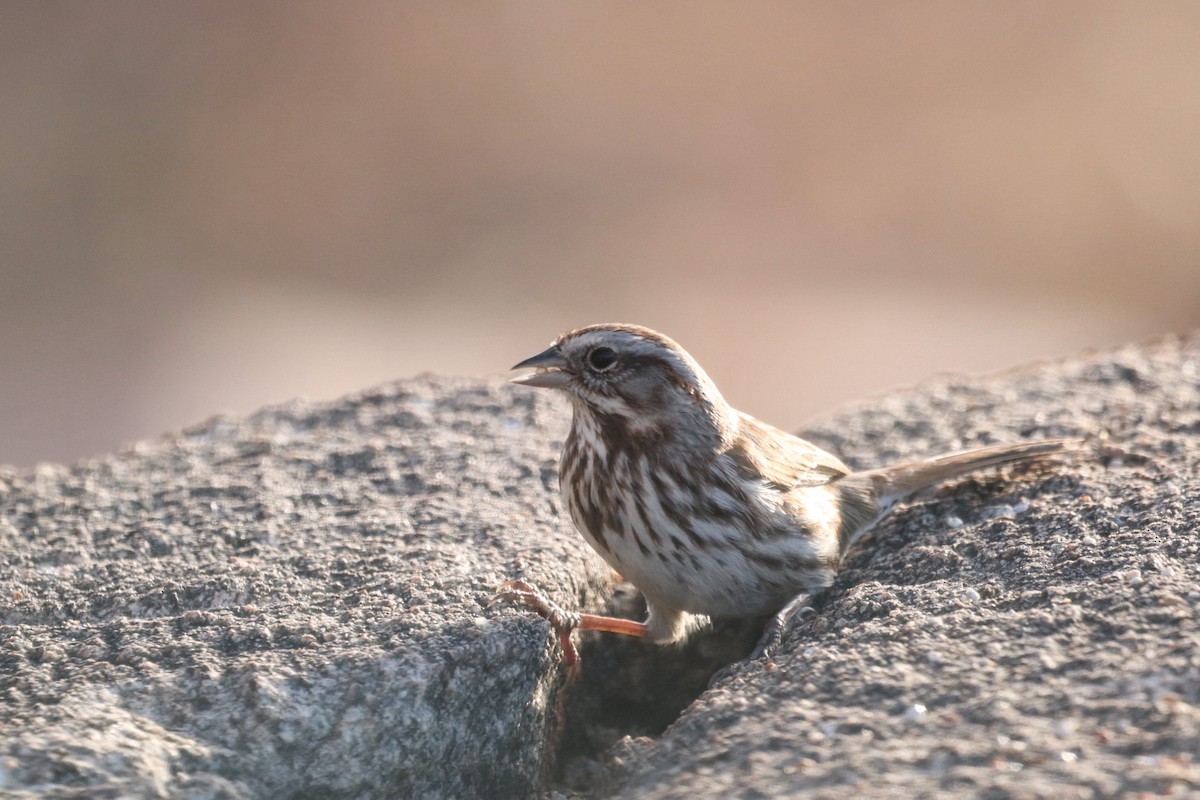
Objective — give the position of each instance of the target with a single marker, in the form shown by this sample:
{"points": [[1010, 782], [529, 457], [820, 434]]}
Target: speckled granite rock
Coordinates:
{"points": [[293, 605], [290, 604]]}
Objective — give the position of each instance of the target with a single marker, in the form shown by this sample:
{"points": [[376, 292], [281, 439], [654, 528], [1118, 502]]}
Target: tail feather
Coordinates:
{"points": [[867, 496], [899, 481]]}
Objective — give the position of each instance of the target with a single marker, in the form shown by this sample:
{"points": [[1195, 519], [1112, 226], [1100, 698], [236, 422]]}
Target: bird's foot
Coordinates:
{"points": [[562, 621], [798, 609], [785, 620]]}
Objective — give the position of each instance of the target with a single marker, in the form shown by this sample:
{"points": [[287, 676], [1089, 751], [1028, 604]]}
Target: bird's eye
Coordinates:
{"points": [[601, 358]]}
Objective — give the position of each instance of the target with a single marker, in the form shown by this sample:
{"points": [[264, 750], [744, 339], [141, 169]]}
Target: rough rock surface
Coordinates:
{"points": [[293, 604]]}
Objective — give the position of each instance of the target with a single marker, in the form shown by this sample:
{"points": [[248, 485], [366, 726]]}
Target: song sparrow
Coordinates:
{"points": [[706, 510]]}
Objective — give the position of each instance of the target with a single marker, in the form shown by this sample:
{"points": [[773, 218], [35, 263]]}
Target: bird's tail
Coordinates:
{"points": [[868, 495], [899, 481]]}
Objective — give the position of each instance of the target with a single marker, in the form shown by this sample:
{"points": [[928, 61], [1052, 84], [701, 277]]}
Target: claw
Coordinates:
{"points": [[796, 611], [564, 622], [785, 620], [518, 591]]}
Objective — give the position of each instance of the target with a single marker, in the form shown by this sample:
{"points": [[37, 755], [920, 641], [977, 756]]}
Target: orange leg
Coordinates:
{"points": [[565, 622], [591, 622]]}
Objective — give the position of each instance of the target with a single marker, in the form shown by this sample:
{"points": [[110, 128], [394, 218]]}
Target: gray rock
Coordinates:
{"points": [[291, 604], [294, 604]]}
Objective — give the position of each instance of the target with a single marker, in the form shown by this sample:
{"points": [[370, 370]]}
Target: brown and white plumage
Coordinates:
{"points": [[708, 511]]}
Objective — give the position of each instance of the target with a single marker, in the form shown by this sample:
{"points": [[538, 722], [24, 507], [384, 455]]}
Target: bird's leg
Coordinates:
{"points": [[798, 608], [565, 622]]}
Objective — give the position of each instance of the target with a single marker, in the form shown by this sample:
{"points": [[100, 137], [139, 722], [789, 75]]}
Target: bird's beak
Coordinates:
{"points": [[550, 371]]}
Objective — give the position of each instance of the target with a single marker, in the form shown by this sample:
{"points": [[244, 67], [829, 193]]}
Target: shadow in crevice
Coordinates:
{"points": [[630, 687]]}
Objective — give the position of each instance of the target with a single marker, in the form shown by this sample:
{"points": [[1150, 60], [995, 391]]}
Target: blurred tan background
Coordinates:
{"points": [[213, 206]]}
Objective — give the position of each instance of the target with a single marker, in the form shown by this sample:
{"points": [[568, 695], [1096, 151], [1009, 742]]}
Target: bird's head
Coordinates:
{"points": [[634, 378]]}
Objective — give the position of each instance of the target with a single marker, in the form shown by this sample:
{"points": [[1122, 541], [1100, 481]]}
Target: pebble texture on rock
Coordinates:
{"points": [[290, 605], [294, 605]]}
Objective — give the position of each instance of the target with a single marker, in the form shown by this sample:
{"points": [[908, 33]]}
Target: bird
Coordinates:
{"points": [[707, 511]]}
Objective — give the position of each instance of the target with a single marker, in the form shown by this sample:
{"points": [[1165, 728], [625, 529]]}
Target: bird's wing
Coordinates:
{"points": [[782, 460]]}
